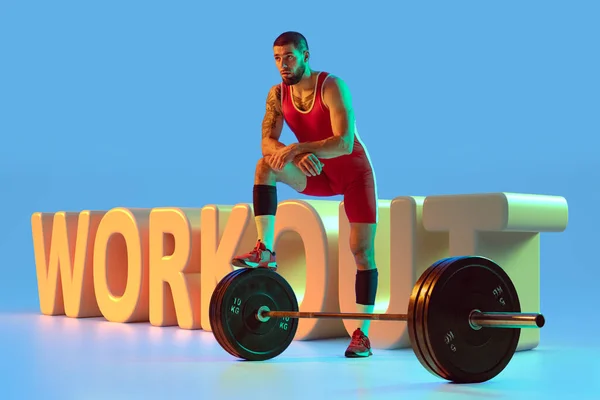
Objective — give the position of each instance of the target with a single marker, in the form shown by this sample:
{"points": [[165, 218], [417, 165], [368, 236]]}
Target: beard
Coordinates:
{"points": [[295, 78]]}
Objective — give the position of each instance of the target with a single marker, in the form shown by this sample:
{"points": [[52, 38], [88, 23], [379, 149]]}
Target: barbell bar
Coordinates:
{"points": [[477, 319]]}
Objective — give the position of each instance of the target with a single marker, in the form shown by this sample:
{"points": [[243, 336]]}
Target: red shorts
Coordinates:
{"points": [[358, 189]]}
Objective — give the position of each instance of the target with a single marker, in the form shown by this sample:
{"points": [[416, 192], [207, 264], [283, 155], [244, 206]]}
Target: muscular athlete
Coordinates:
{"points": [[328, 159]]}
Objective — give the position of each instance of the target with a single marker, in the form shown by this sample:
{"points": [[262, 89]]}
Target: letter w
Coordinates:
{"points": [[65, 242]]}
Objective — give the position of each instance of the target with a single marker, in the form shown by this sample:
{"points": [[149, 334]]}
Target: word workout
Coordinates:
{"points": [[161, 265]]}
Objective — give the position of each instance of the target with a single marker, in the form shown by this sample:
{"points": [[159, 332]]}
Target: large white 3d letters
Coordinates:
{"points": [[161, 265]]}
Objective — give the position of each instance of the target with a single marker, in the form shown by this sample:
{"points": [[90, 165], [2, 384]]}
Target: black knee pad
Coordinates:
{"points": [[265, 200], [366, 286]]}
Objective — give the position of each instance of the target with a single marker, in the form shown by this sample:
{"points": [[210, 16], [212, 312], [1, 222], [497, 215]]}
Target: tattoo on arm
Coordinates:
{"points": [[273, 111]]}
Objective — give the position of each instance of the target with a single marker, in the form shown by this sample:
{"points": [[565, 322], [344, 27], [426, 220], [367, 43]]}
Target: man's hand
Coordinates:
{"points": [[283, 156], [309, 164]]}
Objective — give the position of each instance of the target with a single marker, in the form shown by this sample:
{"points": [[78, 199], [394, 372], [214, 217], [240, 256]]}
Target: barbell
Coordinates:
{"points": [[464, 317]]}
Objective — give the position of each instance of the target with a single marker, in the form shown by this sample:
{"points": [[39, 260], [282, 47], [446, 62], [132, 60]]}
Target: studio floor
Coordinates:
{"points": [[63, 358]]}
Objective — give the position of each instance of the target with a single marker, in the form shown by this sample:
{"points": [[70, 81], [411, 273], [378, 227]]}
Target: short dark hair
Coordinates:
{"points": [[290, 37]]}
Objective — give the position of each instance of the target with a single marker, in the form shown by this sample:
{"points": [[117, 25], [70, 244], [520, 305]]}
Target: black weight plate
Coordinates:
{"points": [[461, 353], [215, 311], [417, 316], [414, 320], [420, 315], [217, 315], [235, 311]]}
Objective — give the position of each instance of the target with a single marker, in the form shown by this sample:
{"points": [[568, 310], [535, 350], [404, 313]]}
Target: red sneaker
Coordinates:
{"points": [[360, 346], [259, 257]]}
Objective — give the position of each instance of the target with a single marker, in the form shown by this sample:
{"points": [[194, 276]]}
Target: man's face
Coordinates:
{"points": [[290, 62]]}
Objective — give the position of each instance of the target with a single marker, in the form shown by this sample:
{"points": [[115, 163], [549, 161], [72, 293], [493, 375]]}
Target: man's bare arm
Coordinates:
{"points": [[336, 96], [272, 124]]}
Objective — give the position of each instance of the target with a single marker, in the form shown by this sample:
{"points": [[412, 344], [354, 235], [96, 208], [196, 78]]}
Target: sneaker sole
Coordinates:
{"points": [[359, 354], [247, 264]]}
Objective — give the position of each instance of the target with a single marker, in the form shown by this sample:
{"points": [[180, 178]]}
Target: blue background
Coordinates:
{"points": [[146, 103]]}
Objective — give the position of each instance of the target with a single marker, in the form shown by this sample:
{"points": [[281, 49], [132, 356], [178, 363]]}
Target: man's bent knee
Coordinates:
{"points": [[263, 165], [264, 174], [289, 175]]}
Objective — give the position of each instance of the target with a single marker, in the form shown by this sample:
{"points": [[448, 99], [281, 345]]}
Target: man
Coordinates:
{"points": [[318, 109]]}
